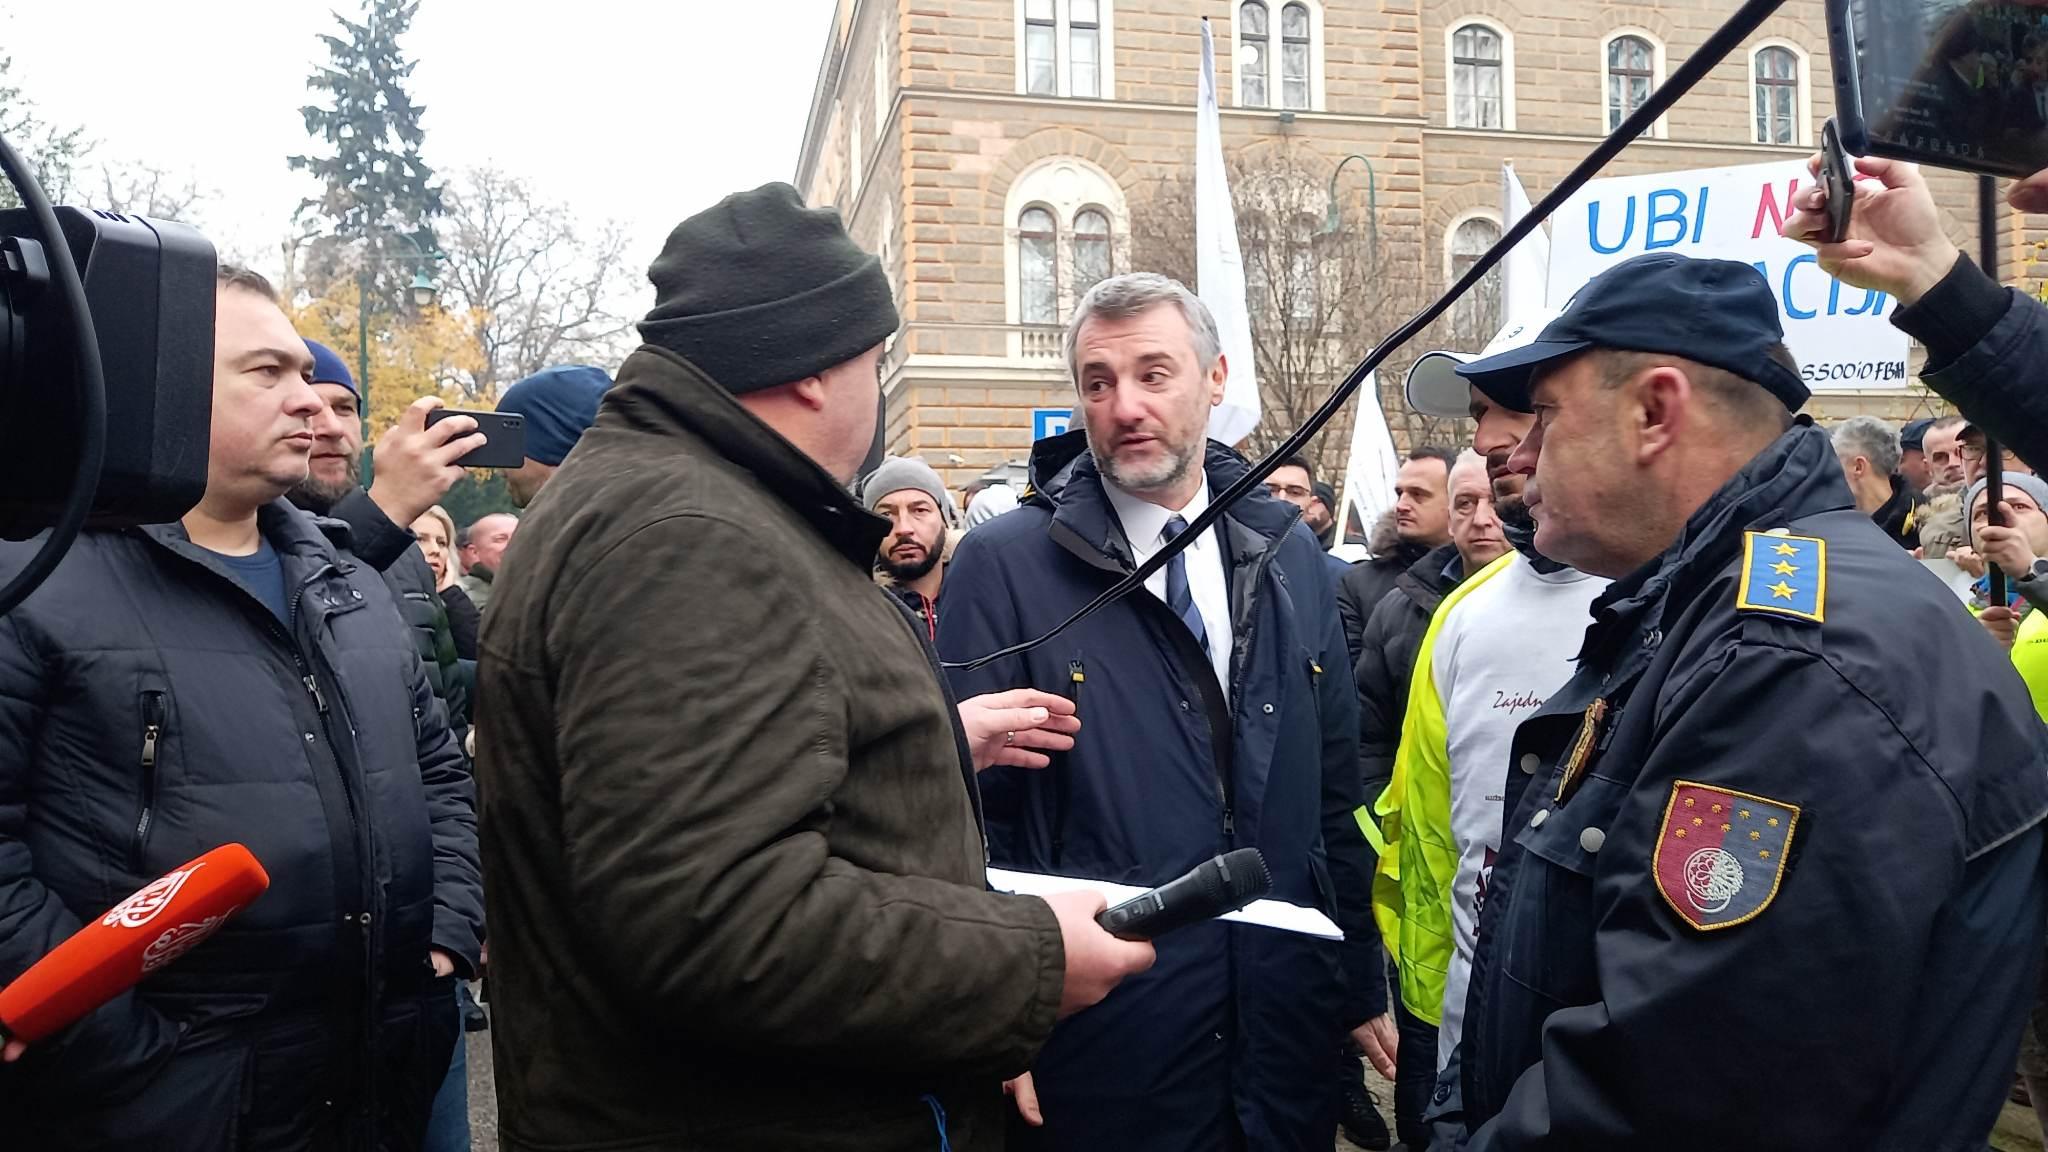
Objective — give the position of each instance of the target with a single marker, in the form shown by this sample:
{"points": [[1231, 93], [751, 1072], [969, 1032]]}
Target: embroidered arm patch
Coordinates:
{"points": [[1721, 854], [1784, 575]]}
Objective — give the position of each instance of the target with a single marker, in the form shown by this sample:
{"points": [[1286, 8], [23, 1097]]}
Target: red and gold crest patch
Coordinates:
{"points": [[1721, 854]]}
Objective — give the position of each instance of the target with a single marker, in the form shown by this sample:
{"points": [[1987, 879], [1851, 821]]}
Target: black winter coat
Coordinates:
{"points": [[1237, 1028], [1793, 896], [391, 549], [152, 709], [1386, 661], [1986, 345], [1361, 589]]}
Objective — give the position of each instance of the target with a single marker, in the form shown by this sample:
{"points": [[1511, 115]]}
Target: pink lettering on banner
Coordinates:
{"points": [[1767, 204]]}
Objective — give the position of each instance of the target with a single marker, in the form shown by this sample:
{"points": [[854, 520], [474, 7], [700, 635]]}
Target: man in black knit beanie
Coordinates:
{"points": [[738, 895]]}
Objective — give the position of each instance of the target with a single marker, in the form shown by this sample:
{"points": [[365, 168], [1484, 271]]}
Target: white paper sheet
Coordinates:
{"points": [[1265, 913]]}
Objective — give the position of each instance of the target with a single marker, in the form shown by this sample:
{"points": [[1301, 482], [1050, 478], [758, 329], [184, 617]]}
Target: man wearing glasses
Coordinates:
{"points": [[1295, 483]]}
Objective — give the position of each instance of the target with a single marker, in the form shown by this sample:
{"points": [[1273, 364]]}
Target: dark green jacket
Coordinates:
{"points": [[737, 895]]}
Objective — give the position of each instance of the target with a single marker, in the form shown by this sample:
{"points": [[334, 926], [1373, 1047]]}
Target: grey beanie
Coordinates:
{"points": [[2032, 485], [899, 472]]}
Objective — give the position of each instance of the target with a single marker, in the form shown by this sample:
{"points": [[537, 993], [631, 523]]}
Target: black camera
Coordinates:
{"points": [[150, 287]]}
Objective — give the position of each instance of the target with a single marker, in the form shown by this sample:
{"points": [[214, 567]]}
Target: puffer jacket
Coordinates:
{"points": [[1985, 347], [152, 709], [1386, 660], [389, 547]]}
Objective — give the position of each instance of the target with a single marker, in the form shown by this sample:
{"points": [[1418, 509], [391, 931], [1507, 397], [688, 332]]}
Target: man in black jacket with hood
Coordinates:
{"points": [[415, 468], [236, 677], [1422, 521]]}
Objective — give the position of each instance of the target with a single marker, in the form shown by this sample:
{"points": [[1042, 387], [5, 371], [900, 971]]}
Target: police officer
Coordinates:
{"points": [[1772, 874]]}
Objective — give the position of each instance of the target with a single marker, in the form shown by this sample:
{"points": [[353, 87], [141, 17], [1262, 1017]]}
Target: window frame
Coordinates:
{"points": [[1072, 28], [1451, 257], [1052, 239], [1274, 41], [1066, 185], [1063, 54], [1802, 107], [1107, 237], [1507, 72], [1660, 129], [1307, 41], [880, 80]]}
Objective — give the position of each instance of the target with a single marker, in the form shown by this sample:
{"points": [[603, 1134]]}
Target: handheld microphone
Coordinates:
{"points": [[1217, 886], [166, 919]]}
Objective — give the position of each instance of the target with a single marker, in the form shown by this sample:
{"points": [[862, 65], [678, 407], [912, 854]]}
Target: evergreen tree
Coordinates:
{"points": [[378, 194]]}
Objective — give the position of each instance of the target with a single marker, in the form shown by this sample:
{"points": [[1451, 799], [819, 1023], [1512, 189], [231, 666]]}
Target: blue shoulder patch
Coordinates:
{"points": [[1784, 575]]}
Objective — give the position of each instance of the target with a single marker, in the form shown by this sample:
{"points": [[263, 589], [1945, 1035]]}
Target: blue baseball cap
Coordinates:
{"points": [[1715, 312], [329, 368]]}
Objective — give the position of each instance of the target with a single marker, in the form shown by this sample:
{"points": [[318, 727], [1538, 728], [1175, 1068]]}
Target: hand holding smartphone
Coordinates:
{"points": [[1838, 179], [504, 437]]}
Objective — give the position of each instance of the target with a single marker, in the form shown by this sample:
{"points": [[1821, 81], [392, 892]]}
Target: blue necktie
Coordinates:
{"points": [[1178, 597]]}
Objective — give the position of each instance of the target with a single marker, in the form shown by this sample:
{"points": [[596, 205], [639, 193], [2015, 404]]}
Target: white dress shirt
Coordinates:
{"points": [[1145, 527]]}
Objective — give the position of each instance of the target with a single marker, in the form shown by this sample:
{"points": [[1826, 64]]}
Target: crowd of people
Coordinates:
{"points": [[1671, 770]]}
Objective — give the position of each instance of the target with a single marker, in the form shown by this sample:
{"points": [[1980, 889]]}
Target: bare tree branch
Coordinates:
{"points": [[1319, 301], [543, 287], [147, 190]]}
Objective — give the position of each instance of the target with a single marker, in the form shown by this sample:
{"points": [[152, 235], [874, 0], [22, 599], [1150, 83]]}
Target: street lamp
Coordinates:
{"points": [[1333, 219], [424, 292]]}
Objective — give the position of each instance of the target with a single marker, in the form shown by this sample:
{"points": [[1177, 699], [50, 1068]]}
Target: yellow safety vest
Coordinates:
{"points": [[1412, 893]]}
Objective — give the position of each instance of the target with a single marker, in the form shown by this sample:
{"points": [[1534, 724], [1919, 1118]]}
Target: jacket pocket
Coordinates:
{"points": [[153, 707]]}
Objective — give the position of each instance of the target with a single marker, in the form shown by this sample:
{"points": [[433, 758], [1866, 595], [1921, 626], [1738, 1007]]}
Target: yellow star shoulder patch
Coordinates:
{"points": [[1784, 575]]}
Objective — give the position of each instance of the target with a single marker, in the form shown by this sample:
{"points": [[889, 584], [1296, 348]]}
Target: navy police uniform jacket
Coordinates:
{"points": [[1230, 1041], [1772, 877]]}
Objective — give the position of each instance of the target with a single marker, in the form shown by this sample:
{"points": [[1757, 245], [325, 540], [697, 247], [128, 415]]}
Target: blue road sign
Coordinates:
{"points": [[1050, 421]]}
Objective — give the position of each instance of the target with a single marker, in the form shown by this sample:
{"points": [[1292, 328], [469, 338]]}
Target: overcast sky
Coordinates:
{"points": [[642, 112]]}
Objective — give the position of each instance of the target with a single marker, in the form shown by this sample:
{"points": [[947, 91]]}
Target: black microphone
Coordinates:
{"points": [[1225, 884]]}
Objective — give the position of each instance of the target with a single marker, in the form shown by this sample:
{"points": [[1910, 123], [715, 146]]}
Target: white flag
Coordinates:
{"points": [[1219, 267], [1525, 273], [1369, 470]]}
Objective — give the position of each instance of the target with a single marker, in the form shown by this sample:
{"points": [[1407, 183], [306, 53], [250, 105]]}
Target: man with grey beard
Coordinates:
{"points": [[1216, 713]]}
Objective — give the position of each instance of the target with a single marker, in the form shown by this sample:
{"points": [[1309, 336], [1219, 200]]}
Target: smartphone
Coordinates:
{"points": [[1839, 180], [504, 433], [1957, 84]]}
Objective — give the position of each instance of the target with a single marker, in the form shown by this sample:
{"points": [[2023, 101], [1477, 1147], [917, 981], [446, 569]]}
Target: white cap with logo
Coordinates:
{"points": [[1434, 387]]}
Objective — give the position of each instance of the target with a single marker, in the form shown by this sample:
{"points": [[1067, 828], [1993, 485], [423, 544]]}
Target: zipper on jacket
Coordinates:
{"points": [[366, 862], [1240, 658], [152, 735], [1062, 785]]}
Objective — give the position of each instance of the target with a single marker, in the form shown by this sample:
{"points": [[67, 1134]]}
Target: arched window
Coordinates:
{"points": [[1091, 249], [1777, 96], [1477, 83], [1038, 288], [1069, 215], [1631, 74], [1294, 56], [1041, 63], [1252, 60], [1477, 315], [1084, 39]]}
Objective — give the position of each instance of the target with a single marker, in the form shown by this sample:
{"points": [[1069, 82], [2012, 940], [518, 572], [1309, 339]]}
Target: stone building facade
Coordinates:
{"points": [[993, 151]]}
